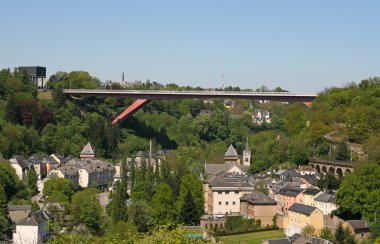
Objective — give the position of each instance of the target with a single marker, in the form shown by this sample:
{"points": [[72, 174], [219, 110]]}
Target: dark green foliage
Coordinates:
{"points": [[12, 110], [189, 213], [326, 234], [344, 235], [4, 220], [240, 224], [3, 202], [5, 227], [140, 215], [328, 182], [342, 152], [163, 204], [53, 186], [359, 192], [85, 208], [58, 97], [118, 209], [32, 181]]}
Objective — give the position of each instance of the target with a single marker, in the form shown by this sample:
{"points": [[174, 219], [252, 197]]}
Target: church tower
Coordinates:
{"points": [[246, 154]]}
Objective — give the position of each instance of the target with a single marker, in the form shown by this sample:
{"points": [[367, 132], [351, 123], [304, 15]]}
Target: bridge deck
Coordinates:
{"points": [[331, 163], [167, 94]]}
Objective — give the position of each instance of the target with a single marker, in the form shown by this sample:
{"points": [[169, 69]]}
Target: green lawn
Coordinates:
{"points": [[252, 238]]}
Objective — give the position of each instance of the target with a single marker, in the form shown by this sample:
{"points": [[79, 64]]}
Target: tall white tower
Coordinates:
{"points": [[246, 154]]}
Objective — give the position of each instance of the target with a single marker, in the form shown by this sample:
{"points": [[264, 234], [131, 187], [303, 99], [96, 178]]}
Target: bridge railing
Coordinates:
{"points": [[68, 91]]}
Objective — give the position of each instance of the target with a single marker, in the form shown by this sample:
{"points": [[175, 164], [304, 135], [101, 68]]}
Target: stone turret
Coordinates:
{"points": [[87, 151], [231, 156], [246, 154]]}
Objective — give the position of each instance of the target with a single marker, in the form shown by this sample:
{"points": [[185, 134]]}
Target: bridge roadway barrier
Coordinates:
{"points": [[171, 94]]}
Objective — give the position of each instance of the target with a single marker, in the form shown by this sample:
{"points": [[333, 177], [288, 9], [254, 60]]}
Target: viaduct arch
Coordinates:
{"points": [[337, 168]]}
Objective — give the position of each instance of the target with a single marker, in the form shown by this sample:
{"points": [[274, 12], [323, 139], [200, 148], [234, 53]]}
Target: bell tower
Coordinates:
{"points": [[246, 154]]}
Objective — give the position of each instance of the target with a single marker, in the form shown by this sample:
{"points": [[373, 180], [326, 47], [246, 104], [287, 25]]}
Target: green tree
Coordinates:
{"points": [[342, 152], [192, 183], [326, 234], [308, 231], [32, 181], [168, 234], [4, 220], [3, 202], [5, 227], [12, 110], [58, 97], [121, 231], [189, 213], [328, 182], [162, 204], [359, 192], [118, 209], [86, 209], [140, 215], [344, 235], [64, 186]]}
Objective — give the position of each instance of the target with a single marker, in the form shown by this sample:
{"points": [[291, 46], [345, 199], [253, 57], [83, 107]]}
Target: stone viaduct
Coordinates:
{"points": [[338, 168]]}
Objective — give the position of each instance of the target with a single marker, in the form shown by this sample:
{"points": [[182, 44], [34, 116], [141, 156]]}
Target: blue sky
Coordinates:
{"points": [[302, 46]]}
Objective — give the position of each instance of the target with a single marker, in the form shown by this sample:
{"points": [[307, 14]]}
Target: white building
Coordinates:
{"points": [[222, 193], [21, 166], [260, 116], [326, 203], [32, 229]]}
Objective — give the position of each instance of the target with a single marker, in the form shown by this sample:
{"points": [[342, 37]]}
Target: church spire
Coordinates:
{"points": [[246, 154], [122, 77]]}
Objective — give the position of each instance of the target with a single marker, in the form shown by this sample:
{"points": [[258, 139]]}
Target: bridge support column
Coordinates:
{"points": [[308, 104], [131, 109]]}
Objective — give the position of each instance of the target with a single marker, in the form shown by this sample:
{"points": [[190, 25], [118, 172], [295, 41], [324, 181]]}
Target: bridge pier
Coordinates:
{"points": [[131, 109]]}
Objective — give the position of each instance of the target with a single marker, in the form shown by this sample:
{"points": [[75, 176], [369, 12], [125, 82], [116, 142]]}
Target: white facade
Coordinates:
{"points": [[325, 207], [83, 178], [26, 235], [17, 168], [227, 201]]}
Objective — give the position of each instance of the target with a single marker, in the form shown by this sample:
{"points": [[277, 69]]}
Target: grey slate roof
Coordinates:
{"points": [[290, 191], [214, 168], [87, 150], [21, 161], [224, 181], [359, 226], [311, 192], [279, 241], [316, 240], [302, 208], [327, 198], [231, 152], [312, 179], [19, 207], [258, 198], [35, 218]]}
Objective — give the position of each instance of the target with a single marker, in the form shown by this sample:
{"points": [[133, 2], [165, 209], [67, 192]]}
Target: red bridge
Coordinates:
{"points": [[145, 96]]}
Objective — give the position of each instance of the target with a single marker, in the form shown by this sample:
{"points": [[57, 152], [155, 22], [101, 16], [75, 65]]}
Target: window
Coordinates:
{"points": [[236, 192], [233, 203], [220, 203], [226, 203], [227, 192], [220, 192]]}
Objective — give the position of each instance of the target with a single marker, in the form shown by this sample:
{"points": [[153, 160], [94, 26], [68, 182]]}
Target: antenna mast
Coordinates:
{"points": [[223, 81]]}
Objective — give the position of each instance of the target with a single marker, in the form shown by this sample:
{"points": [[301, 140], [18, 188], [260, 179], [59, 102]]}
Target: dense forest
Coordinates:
{"points": [[342, 124], [32, 125]]}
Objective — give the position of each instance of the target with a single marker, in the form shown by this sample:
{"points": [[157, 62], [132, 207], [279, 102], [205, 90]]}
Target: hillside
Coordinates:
{"points": [[40, 125]]}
